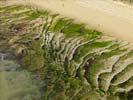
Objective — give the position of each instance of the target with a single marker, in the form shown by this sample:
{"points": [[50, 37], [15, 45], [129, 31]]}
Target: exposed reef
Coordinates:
{"points": [[76, 63]]}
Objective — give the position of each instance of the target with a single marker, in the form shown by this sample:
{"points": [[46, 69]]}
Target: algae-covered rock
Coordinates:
{"points": [[76, 63]]}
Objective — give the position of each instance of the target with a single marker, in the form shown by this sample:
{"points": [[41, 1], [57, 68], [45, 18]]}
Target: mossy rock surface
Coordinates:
{"points": [[76, 63]]}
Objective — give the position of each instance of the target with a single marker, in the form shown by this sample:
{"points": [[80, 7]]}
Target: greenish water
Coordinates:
{"points": [[17, 84]]}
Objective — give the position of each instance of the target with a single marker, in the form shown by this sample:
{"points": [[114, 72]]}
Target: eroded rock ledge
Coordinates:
{"points": [[76, 63]]}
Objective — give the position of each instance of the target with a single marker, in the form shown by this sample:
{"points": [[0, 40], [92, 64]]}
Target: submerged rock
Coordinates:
{"points": [[17, 84]]}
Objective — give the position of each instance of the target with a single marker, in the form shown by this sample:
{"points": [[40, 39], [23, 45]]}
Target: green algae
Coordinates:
{"points": [[38, 51]]}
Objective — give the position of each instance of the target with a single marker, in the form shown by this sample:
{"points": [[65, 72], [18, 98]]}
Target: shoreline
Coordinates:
{"points": [[120, 27]]}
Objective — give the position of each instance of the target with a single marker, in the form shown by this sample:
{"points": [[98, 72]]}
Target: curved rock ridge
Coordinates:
{"points": [[110, 60], [78, 63]]}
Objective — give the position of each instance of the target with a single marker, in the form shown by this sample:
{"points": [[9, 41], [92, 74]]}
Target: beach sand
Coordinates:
{"points": [[112, 18]]}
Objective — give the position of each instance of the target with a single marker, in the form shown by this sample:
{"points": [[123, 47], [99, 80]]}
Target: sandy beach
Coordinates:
{"points": [[112, 18]]}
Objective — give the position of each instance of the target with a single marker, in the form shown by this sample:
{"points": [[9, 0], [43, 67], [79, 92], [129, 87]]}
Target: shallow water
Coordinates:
{"points": [[16, 84]]}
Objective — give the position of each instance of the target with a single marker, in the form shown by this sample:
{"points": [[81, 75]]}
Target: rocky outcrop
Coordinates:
{"points": [[75, 62]]}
